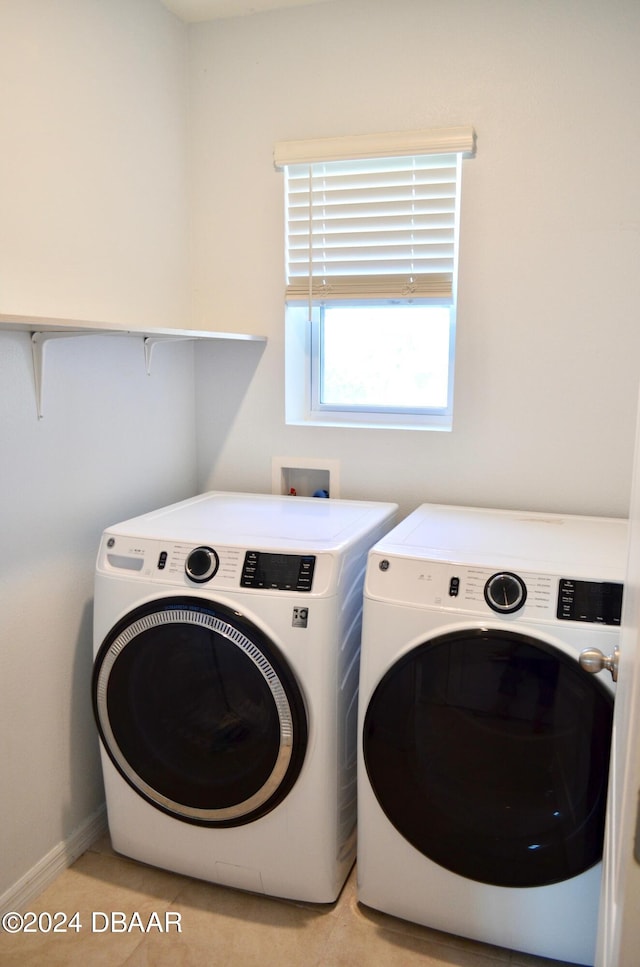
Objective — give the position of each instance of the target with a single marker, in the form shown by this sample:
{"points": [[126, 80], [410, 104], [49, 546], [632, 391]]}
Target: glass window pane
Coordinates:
{"points": [[385, 356]]}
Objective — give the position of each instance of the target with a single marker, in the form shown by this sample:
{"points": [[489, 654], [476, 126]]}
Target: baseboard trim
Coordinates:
{"points": [[55, 862]]}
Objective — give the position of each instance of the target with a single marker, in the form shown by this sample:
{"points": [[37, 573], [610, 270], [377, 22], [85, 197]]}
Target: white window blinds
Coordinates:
{"points": [[367, 219]]}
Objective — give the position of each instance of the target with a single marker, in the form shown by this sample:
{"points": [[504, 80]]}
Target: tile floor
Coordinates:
{"points": [[226, 928]]}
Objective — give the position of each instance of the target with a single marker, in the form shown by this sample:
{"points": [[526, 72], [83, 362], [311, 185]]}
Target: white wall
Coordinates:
{"points": [[548, 335], [92, 224], [92, 167]]}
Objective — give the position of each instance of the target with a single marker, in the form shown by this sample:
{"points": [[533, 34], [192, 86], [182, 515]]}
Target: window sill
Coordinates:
{"points": [[370, 421]]}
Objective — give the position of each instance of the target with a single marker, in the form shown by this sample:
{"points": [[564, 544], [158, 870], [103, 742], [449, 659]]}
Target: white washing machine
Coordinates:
{"points": [[226, 642], [484, 745]]}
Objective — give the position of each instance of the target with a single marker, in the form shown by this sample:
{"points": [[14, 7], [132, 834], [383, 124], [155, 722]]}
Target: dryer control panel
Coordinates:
{"points": [[468, 589]]}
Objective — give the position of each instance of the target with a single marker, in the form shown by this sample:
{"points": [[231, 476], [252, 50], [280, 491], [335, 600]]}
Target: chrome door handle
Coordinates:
{"points": [[593, 661]]}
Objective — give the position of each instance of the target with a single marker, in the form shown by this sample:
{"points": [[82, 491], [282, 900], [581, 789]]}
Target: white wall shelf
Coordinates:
{"points": [[43, 331]]}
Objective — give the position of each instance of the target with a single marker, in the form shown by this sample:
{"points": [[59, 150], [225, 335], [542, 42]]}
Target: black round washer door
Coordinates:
{"points": [[199, 712], [489, 752]]}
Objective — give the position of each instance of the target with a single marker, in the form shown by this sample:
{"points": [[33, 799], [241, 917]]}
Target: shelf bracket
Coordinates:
{"points": [[150, 343], [39, 342]]}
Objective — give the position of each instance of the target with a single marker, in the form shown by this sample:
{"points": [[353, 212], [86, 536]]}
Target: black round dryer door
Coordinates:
{"points": [[489, 752], [199, 712]]}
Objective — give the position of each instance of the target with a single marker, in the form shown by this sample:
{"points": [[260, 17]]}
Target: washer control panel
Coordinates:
{"points": [[193, 565]]}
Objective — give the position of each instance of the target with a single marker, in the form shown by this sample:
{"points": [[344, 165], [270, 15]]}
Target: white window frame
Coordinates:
{"points": [[303, 321]]}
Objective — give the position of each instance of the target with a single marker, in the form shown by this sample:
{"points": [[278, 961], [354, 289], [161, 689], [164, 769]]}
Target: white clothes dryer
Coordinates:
{"points": [[484, 745], [226, 652]]}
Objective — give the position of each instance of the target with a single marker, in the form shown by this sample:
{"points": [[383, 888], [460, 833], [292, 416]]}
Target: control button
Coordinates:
{"points": [[566, 600], [305, 574], [454, 587], [201, 564], [162, 561], [505, 592], [249, 576]]}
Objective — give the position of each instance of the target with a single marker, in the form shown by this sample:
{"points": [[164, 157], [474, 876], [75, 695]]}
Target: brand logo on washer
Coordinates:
{"points": [[300, 617]]}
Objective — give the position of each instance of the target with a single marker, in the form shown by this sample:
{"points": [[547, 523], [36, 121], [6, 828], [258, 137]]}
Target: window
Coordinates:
{"points": [[379, 357], [371, 253]]}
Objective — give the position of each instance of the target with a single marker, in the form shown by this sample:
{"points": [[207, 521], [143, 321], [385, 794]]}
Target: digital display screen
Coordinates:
{"points": [[594, 601], [279, 572]]}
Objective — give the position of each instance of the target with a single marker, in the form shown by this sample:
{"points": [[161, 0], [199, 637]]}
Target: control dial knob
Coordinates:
{"points": [[201, 564], [505, 592]]}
